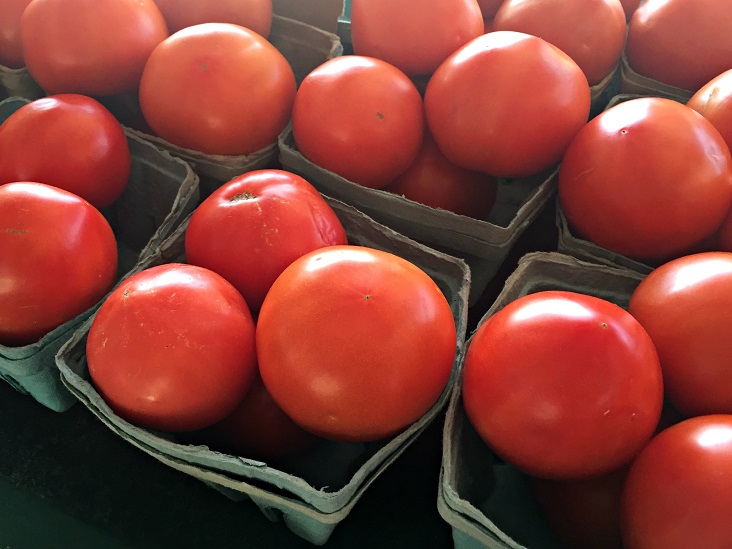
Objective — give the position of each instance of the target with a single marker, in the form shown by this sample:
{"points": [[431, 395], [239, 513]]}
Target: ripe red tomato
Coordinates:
{"points": [[92, 47], [684, 306], [506, 104], [58, 257], [359, 117], [591, 32], [355, 343], [255, 225], [415, 40], [172, 348], [11, 53], [436, 182], [69, 141], [255, 15], [678, 492], [714, 102], [563, 385], [191, 92], [648, 178], [683, 43]]}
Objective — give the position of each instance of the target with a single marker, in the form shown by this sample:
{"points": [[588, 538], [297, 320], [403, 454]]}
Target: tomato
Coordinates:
{"points": [[92, 47], [562, 385], [58, 257], [629, 7], [255, 15], [69, 141], [678, 492], [255, 225], [256, 429], [436, 182], [354, 343], [683, 305], [714, 102], [683, 43], [11, 53], [359, 117], [647, 178], [192, 90], [172, 348], [506, 104], [591, 32], [415, 40]]}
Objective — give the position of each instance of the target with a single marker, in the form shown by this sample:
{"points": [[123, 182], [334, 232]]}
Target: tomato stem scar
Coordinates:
{"points": [[246, 195]]}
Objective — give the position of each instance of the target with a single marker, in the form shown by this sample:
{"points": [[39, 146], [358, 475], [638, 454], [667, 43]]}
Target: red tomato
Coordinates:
{"points": [[684, 306], [355, 343], [359, 117], [172, 348], [11, 53], [629, 7], [255, 15], [714, 102], [678, 492], [488, 8], [591, 32], [436, 182], [257, 429], [255, 225], [69, 141], [506, 104], [191, 92], [58, 257], [683, 43], [92, 47], [648, 178], [563, 385], [415, 40]]}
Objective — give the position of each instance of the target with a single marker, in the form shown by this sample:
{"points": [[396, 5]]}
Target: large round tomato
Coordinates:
{"points": [[255, 225], [93, 47], [172, 348], [69, 141], [436, 182], [563, 385], [506, 104], [683, 43], [678, 492], [647, 178], [255, 15], [684, 306], [359, 117], [591, 32], [355, 343], [714, 102], [413, 39], [58, 257], [217, 88], [11, 53]]}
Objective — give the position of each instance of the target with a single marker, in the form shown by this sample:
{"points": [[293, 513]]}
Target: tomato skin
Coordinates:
{"points": [[415, 41], [355, 344], [69, 141], [11, 53], [255, 15], [191, 90], [359, 117], [58, 257], [683, 43], [591, 32], [436, 182], [172, 348], [714, 102], [91, 47], [648, 178], [251, 228], [684, 306], [506, 104], [679, 491], [562, 385]]}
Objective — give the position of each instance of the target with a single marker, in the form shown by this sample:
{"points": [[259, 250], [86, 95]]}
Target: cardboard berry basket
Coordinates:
{"points": [[18, 83], [318, 488], [488, 503], [160, 192]]}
